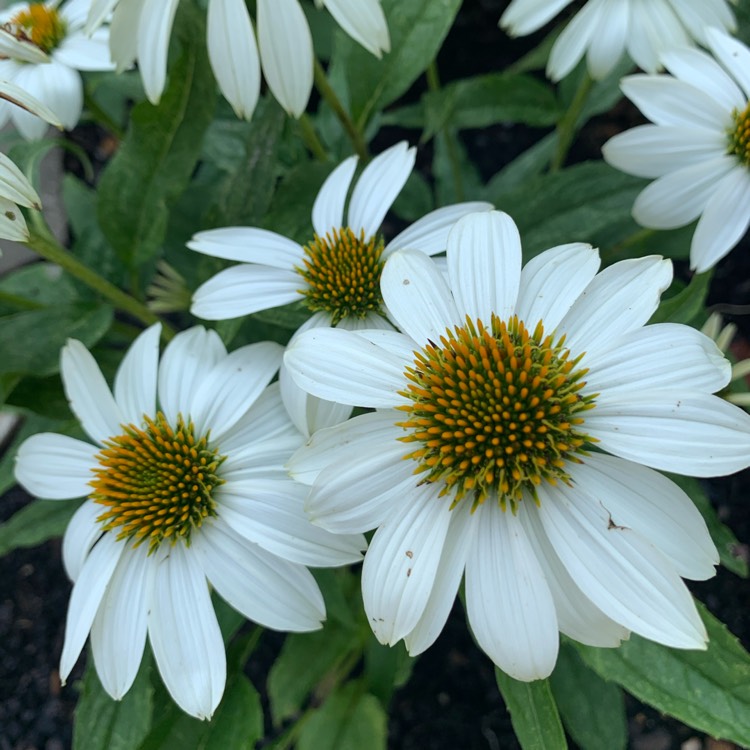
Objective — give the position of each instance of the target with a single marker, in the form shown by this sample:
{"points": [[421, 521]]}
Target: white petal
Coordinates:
{"points": [[328, 209], [12, 223], [55, 467], [234, 54], [135, 383], [81, 52], [118, 633], [572, 43], [15, 186], [378, 186], [188, 358], [484, 265], [271, 514], [400, 565], [286, 52], [619, 299], [364, 21], [524, 16], [733, 55], [87, 594], [232, 385], [185, 635], [448, 576], [685, 432], [81, 533], [266, 589], [724, 221], [655, 507], [552, 281], [342, 366], [98, 12], [627, 578], [21, 50], [418, 297], [154, 29], [88, 393], [609, 37], [429, 234], [509, 603], [665, 355], [124, 34], [249, 245], [577, 616], [15, 94], [245, 289]]}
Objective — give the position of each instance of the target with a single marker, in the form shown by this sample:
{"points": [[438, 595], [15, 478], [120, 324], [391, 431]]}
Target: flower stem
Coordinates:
{"points": [[101, 117], [329, 95], [311, 139], [47, 247], [566, 128]]}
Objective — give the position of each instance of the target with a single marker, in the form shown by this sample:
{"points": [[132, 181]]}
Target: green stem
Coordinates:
{"points": [[433, 84], [311, 139], [100, 116], [45, 245], [329, 96], [566, 128], [20, 302]]}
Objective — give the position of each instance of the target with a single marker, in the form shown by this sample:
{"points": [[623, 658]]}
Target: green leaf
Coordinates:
{"points": [[592, 709], [685, 306], [319, 652], [533, 713], [349, 719], [386, 668], [723, 537], [417, 29], [708, 690], [35, 523], [530, 163], [44, 332], [40, 283], [105, 724], [488, 99], [159, 153]]}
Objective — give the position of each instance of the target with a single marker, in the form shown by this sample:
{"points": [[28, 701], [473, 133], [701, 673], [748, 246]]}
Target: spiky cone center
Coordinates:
{"points": [[156, 482], [739, 135], [343, 272], [38, 24], [495, 411]]}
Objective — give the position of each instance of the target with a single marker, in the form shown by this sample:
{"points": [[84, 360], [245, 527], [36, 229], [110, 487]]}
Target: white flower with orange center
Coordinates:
{"points": [[698, 148], [284, 49], [605, 29], [181, 497], [516, 418], [44, 49]]}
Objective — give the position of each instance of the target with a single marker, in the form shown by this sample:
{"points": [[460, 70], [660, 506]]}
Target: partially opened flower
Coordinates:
{"points": [[44, 49], [141, 30], [698, 149], [516, 418], [185, 487], [605, 29]]}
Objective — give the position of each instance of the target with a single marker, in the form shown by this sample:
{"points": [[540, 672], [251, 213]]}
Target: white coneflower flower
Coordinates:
{"points": [[337, 273], [698, 148], [45, 48], [181, 495], [284, 50], [516, 416], [604, 29]]}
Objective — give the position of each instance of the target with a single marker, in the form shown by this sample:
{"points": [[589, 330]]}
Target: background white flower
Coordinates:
{"points": [[604, 29], [478, 456], [141, 30], [15, 189], [45, 47], [180, 495], [698, 148]]}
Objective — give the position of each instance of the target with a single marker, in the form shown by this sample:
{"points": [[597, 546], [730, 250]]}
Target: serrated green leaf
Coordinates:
{"points": [[417, 29], [488, 99], [708, 690], [157, 157], [102, 723], [723, 537], [592, 709], [349, 719], [35, 523], [533, 713], [44, 332], [320, 652]]}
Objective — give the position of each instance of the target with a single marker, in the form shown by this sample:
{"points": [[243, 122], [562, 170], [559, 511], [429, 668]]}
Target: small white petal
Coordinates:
{"points": [[328, 209], [249, 245], [154, 29], [15, 187], [135, 382], [80, 535], [364, 21]]}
